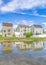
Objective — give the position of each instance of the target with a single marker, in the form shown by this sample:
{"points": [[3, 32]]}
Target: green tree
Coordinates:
{"points": [[28, 34]]}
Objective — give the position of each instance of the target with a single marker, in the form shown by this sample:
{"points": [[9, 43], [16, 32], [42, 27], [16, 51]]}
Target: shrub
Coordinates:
{"points": [[28, 34]]}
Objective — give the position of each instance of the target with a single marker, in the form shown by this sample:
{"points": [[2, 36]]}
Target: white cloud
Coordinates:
{"points": [[15, 26], [23, 22], [44, 23], [1, 2], [22, 4], [36, 14], [26, 22], [39, 15]]}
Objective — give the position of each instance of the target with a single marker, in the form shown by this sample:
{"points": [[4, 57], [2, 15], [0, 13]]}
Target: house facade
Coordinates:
{"points": [[22, 29], [7, 30], [37, 29]]}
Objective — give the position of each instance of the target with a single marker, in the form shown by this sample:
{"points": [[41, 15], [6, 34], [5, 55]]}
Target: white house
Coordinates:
{"points": [[37, 29], [22, 29]]}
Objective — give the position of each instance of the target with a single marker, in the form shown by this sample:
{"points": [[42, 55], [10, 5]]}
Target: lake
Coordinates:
{"points": [[20, 53]]}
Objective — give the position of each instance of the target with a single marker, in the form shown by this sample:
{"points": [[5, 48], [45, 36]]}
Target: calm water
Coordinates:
{"points": [[20, 53]]}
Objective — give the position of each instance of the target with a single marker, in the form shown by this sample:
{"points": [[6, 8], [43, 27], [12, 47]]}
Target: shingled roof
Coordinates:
{"points": [[37, 26], [21, 25], [7, 24]]}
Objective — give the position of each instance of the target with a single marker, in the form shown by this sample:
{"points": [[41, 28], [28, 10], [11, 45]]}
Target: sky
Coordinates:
{"points": [[26, 12]]}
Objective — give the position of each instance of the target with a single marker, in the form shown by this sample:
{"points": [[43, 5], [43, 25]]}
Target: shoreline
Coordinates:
{"points": [[23, 39]]}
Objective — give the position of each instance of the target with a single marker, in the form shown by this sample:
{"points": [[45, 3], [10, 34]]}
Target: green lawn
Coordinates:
{"points": [[22, 39]]}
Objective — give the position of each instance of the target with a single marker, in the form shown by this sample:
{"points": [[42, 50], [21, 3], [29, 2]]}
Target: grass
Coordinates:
{"points": [[22, 39]]}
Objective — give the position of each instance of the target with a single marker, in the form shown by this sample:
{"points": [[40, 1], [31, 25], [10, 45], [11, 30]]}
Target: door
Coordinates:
{"points": [[5, 35]]}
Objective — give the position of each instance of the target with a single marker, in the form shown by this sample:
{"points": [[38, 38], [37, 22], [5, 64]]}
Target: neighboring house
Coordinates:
{"points": [[7, 30], [22, 29], [44, 32], [37, 29]]}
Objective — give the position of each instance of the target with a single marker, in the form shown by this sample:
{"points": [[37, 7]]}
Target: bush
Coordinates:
{"points": [[28, 34]]}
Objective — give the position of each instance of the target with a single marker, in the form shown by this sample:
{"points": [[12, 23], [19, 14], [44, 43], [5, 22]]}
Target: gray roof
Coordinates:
{"points": [[21, 25], [37, 26], [7, 24]]}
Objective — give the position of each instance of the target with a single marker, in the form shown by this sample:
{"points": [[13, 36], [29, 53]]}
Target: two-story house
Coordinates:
{"points": [[37, 29], [7, 30], [22, 29]]}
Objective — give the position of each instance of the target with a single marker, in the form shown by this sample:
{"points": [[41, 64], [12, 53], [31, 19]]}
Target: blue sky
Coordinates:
{"points": [[26, 12]]}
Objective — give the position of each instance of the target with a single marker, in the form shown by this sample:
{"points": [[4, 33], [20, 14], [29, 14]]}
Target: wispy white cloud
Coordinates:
{"points": [[14, 5], [36, 14], [23, 22], [22, 4], [39, 15], [44, 23], [1, 2], [27, 22]]}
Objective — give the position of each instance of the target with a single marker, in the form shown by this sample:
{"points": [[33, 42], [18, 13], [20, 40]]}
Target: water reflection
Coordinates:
{"points": [[23, 46], [7, 47], [31, 46], [28, 56], [38, 45]]}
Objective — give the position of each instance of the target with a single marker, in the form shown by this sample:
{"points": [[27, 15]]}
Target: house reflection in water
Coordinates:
{"points": [[23, 46], [7, 47], [37, 45], [31, 46]]}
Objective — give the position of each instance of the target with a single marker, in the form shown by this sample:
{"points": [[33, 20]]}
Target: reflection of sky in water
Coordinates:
{"points": [[33, 53], [44, 45], [0, 48], [15, 48], [25, 57]]}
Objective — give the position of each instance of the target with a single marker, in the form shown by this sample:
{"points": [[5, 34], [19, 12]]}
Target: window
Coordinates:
{"points": [[25, 30], [8, 33], [9, 30], [5, 35], [4, 30]]}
